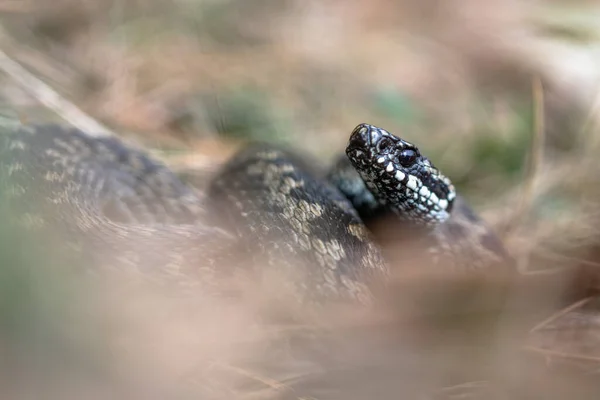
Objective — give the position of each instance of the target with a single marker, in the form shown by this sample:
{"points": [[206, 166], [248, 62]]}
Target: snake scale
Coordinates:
{"points": [[267, 211]]}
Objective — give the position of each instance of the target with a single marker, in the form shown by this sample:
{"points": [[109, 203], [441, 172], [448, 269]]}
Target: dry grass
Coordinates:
{"points": [[193, 79]]}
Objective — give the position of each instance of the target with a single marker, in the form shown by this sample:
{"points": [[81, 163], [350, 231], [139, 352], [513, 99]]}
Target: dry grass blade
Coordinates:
{"points": [[466, 385], [535, 159], [268, 382], [271, 383], [553, 256], [587, 136], [50, 98], [560, 354], [560, 313]]}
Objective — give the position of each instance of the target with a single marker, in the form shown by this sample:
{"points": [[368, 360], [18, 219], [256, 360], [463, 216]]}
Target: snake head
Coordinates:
{"points": [[399, 176]]}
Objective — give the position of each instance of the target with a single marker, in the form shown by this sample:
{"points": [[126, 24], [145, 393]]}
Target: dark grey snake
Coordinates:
{"points": [[266, 212]]}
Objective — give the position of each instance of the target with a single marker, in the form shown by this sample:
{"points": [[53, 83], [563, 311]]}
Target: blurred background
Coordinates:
{"points": [[502, 96]]}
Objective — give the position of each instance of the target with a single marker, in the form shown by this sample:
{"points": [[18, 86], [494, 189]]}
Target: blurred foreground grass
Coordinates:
{"points": [[455, 79]]}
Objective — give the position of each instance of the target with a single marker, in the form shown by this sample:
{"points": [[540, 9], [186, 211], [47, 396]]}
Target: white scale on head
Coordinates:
{"points": [[415, 189]]}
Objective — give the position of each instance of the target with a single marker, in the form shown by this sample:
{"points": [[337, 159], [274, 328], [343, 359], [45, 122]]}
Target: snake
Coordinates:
{"points": [[268, 212], [388, 179]]}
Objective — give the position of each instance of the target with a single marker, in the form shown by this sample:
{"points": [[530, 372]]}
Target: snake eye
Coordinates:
{"points": [[407, 157], [384, 145]]}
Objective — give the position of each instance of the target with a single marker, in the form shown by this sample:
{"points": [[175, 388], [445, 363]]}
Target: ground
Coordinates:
{"points": [[501, 97]]}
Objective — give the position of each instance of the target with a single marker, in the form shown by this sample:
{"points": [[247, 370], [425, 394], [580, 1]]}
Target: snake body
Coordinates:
{"points": [[288, 218], [119, 208], [388, 179], [107, 204]]}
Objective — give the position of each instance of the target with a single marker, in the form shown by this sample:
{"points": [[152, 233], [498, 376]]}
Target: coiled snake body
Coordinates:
{"points": [[266, 211]]}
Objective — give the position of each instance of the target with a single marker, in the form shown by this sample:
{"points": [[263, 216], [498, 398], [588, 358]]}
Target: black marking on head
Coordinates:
{"points": [[399, 176]]}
